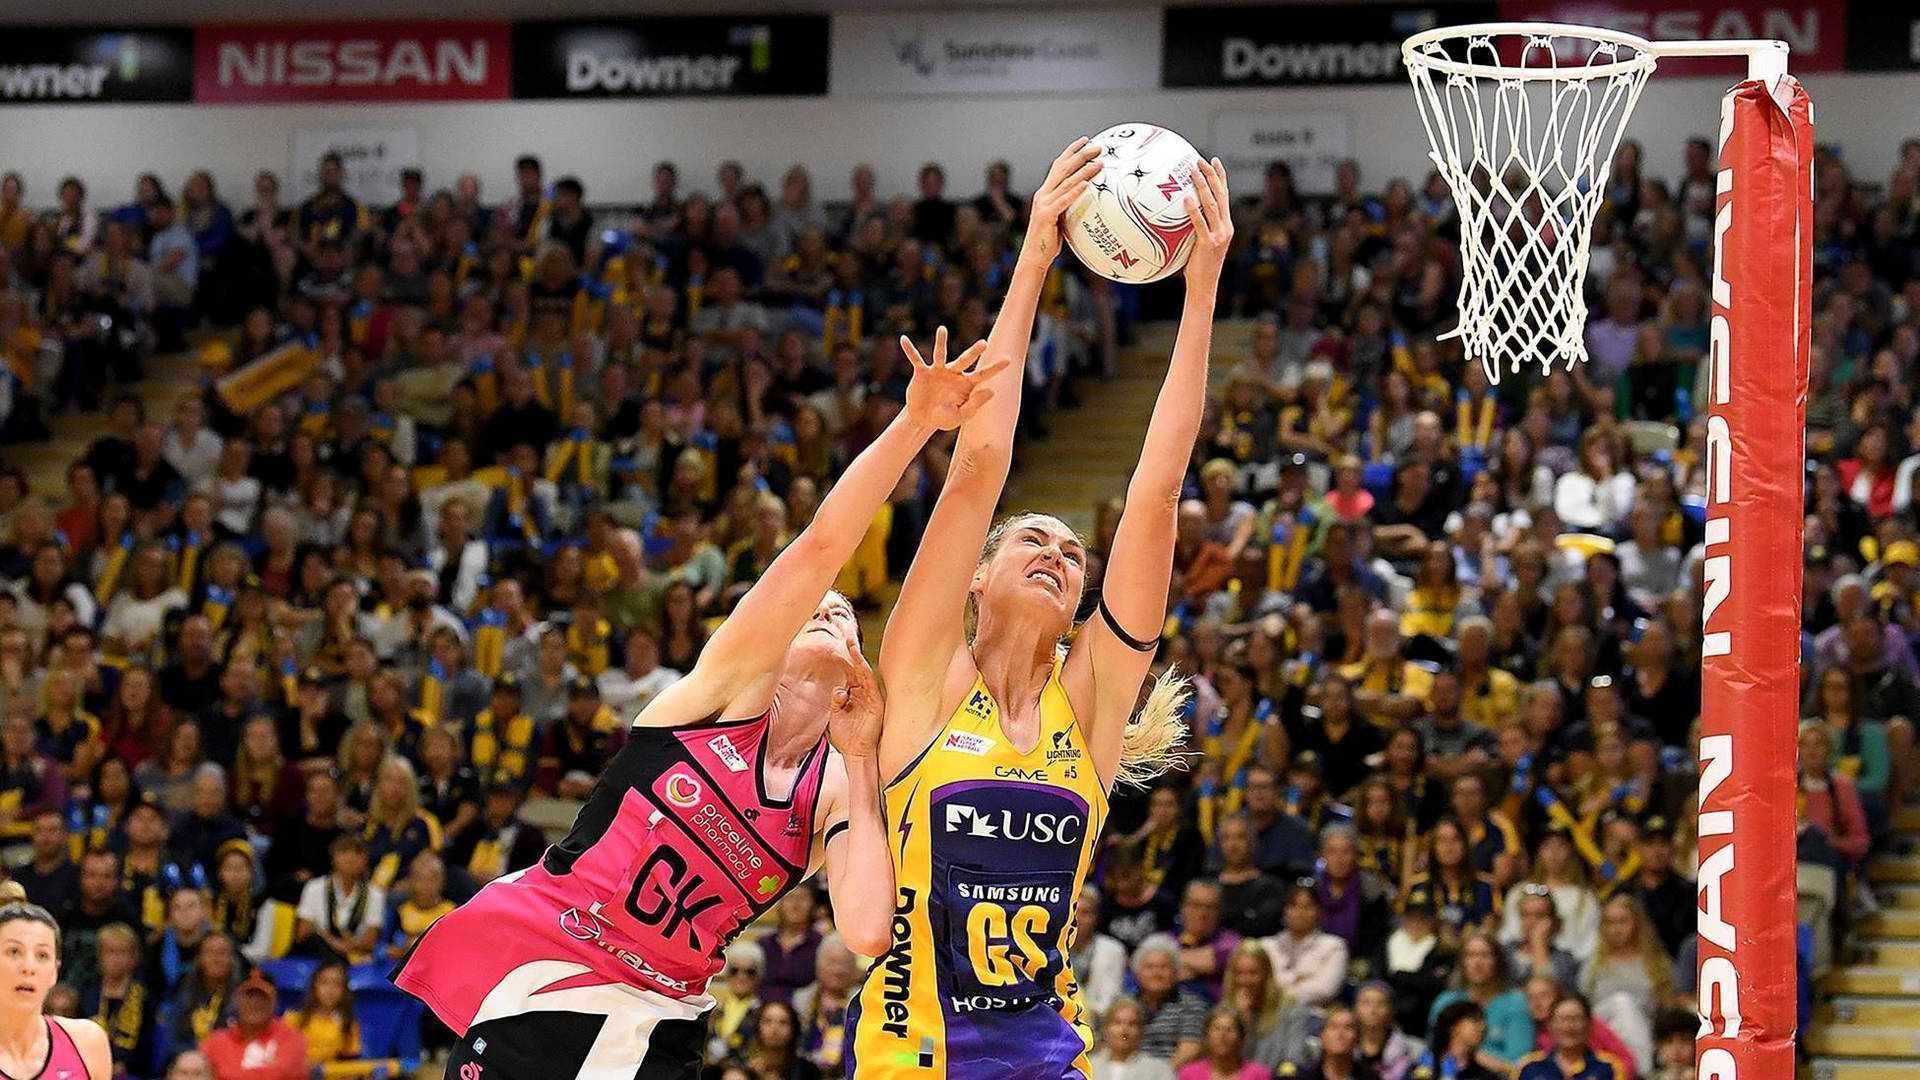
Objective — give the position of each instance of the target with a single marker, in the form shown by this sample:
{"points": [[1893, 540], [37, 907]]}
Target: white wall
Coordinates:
{"points": [[612, 145]]}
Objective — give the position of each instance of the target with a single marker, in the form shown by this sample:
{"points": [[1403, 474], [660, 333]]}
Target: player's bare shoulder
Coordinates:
{"points": [[91, 1040]]}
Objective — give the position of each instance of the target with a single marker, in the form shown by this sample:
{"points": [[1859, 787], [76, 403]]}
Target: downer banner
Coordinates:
{"points": [[1299, 45], [64, 65], [1882, 36], [692, 56]]}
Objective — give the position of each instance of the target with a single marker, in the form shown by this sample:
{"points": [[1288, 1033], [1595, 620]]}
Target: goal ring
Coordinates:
{"points": [[1426, 50], [1523, 120]]}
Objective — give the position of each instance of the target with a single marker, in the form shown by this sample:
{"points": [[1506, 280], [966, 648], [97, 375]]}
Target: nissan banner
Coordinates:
{"points": [[1816, 30], [371, 61]]}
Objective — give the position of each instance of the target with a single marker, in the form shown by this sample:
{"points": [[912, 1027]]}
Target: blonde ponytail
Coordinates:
{"points": [[12, 892], [1155, 736]]}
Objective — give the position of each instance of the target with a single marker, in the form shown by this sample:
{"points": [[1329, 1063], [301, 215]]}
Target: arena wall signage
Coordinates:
{"points": [[372, 157], [1816, 30], [1298, 44], [315, 62], [60, 65], [1312, 142], [1005, 51], [1883, 36], [692, 56]]}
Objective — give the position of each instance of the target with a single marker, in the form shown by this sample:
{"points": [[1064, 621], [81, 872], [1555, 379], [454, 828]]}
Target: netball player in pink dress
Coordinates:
{"points": [[34, 1046], [594, 962]]}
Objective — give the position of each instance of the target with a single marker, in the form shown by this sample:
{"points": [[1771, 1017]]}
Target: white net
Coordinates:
{"points": [[1524, 122]]}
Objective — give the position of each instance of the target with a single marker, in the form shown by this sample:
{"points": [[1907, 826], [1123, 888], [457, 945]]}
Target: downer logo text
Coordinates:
{"points": [[708, 72], [52, 82], [1243, 59]]}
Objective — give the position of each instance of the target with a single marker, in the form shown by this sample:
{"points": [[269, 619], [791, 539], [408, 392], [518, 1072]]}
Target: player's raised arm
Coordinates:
{"points": [[1111, 656], [928, 624], [859, 866], [741, 663]]}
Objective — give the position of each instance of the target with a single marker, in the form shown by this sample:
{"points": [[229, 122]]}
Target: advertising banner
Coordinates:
{"points": [[1002, 51], [1816, 30], [46, 65], [1883, 36], [671, 56], [1299, 44], [376, 61]]}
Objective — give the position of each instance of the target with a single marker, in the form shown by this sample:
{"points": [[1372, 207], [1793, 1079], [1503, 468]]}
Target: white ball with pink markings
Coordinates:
{"points": [[1132, 226]]}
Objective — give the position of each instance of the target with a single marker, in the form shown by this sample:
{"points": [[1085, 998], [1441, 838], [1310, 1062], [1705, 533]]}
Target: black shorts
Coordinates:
{"points": [[561, 1046]]}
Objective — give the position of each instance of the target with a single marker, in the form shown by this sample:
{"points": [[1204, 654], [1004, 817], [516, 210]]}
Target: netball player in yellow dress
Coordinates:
{"points": [[1001, 746]]}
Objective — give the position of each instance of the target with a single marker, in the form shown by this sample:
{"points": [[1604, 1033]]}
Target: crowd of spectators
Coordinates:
{"points": [[287, 674]]}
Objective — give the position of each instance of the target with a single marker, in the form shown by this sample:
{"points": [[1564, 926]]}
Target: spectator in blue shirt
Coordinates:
{"points": [[1572, 1057], [175, 258]]}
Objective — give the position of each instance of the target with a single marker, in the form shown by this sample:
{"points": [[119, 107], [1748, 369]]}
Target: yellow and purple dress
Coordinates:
{"points": [[991, 846]]}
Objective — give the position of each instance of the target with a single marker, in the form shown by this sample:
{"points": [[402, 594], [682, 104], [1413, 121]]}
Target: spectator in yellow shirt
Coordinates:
{"points": [[423, 905], [325, 1017], [15, 219], [1387, 687], [1490, 696]]}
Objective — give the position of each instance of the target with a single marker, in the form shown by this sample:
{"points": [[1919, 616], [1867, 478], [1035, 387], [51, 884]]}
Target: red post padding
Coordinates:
{"points": [[1755, 448]]}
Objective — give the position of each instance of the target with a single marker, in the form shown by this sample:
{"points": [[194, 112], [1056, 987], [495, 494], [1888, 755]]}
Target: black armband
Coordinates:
{"points": [[1131, 642]]}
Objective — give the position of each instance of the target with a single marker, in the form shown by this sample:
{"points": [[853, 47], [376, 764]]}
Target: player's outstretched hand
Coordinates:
{"points": [[945, 392], [854, 724], [1212, 216], [1067, 181]]}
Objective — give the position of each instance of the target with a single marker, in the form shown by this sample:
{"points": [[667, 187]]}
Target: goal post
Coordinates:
{"points": [[1762, 290], [1524, 119]]}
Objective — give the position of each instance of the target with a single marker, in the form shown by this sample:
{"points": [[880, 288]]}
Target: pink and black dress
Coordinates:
{"points": [[594, 962]]}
